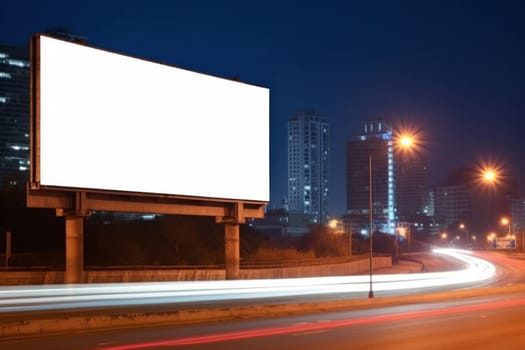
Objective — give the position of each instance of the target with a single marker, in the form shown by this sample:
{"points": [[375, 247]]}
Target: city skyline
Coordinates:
{"points": [[451, 70]]}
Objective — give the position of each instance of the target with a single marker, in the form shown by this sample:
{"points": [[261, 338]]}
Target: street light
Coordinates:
{"points": [[371, 217], [338, 227], [406, 141], [491, 238], [506, 222], [444, 237], [464, 228], [489, 175]]}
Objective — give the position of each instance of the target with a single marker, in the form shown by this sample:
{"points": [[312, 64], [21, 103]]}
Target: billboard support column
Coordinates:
{"points": [[231, 251], [231, 239], [75, 238], [74, 249]]}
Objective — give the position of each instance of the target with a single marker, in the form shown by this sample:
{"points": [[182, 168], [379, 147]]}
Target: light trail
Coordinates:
{"points": [[312, 327], [62, 297]]}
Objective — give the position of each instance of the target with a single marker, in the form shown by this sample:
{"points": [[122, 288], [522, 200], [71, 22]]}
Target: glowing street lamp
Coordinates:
{"points": [[489, 175], [444, 238], [333, 223], [506, 222], [337, 227], [406, 142], [464, 228]]}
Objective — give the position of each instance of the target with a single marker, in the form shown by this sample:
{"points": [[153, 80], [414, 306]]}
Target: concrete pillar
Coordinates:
{"points": [[74, 249], [231, 252]]}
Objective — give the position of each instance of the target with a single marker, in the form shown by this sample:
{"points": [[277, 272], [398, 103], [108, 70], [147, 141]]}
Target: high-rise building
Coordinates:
{"points": [[453, 205], [376, 143], [14, 114], [411, 185], [518, 217], [14, 108], [308, 157]]}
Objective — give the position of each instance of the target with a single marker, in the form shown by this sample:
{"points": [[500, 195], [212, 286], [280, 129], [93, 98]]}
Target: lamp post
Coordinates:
{"points": [[406, 141], [464, 228], [371, 217], [337, 226], [506, 222], [444, 237]]}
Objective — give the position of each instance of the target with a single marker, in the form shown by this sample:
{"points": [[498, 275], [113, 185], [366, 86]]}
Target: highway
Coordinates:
{"points": [[14, 300], [491, 322], [488, 318]]}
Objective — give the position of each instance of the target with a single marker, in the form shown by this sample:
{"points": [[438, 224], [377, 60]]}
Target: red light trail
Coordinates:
{"points": [[290, 329]]}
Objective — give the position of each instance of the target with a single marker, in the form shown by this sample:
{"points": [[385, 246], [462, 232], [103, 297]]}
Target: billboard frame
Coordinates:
{"points": [[76, 203]]}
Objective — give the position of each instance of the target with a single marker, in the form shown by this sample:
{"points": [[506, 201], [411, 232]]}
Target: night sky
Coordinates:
{"points": [[454, 70]]}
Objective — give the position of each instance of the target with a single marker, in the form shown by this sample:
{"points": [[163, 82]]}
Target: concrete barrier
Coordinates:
{"points": [[154, 275]]}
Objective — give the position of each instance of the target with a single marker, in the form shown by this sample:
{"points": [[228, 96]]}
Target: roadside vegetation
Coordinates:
{"points": [[38, 239]]}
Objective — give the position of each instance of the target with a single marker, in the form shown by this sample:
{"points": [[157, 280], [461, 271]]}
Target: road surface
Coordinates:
{"points": [[482, 308], [492, 322]]}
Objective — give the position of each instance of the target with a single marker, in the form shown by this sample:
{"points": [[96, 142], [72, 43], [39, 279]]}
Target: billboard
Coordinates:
{"points": [[504, 243], [106, 121]]}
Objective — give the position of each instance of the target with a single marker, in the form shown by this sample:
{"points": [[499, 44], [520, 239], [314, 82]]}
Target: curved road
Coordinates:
{"points": [[470, 271], [487, 317]]}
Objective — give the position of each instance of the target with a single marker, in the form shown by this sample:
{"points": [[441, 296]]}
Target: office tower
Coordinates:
{"points": [[375, 142], [411, 185], [453, 205], [14, 108], [14, 115], [308, 153]]}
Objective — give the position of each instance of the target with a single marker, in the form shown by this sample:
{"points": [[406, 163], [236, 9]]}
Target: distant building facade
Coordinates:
{"points": [[518, 216], [14, 115], [308, 165], [411, 191], [375, 142], [465, 199], [14, 108], [453, 205]]}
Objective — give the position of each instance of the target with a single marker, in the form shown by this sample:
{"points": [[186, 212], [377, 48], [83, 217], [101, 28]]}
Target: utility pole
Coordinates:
{"points": [[7, 248]]}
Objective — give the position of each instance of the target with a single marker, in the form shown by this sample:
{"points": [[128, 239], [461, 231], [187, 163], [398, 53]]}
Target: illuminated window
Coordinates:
{"points": [[18, 63], [4, 75], [3, 99], [3, 55]]}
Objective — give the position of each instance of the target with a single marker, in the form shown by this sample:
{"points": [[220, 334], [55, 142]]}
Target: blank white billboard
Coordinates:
{"points": [[118, 123]]}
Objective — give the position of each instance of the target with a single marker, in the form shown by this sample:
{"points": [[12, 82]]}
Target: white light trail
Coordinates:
{"points": [[36, 298]]}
